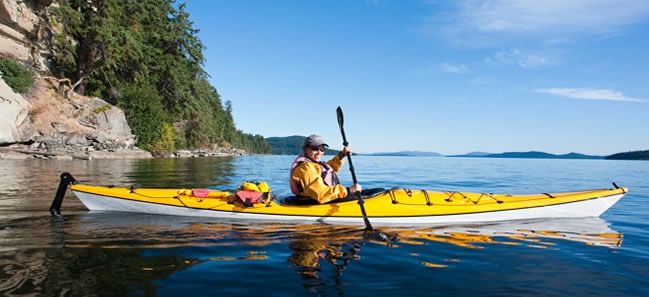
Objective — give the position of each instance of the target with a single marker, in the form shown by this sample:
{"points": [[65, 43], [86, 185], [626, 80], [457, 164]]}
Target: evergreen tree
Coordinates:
{"points": [[145, 56]]}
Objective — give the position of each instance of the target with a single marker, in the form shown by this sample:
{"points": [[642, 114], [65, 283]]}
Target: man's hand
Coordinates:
{"points": [[345, 152], [356, 188]]}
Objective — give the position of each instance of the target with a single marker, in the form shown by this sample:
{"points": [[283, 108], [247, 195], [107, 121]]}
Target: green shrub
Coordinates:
{"points": [[166, 142], [144, 113], [101, 109], [19, 78]]}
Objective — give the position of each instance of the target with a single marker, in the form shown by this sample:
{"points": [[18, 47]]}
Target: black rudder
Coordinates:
{"points": [[66, 180]]}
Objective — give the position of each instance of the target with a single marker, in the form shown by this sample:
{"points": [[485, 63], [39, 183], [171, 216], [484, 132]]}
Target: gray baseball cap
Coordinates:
{"points": [[315, 140]]}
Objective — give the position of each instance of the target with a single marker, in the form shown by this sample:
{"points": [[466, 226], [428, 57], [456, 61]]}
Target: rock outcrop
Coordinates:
{"points": [[42, 124], [45, 125], [23, 33], [13, 115]]}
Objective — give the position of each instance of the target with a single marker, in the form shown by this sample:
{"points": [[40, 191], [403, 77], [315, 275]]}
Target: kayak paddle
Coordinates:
{"points": [[368, 226]]}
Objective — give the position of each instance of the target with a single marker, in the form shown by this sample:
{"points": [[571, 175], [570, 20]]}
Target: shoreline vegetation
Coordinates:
{"points": [[129, 62], [25, 152]]}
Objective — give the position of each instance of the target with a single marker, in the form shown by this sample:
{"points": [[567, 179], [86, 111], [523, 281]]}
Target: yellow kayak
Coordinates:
{"points": [[397, 206]]}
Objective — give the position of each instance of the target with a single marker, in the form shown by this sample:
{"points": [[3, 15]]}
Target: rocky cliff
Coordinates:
{"points": [[23, 31], [43, 124]]}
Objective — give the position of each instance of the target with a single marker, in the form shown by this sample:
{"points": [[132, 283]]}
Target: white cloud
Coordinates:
{"points": [[518, 57], [498, 22], [589, 94], [531, 33], [551, 15], [450, 68]]}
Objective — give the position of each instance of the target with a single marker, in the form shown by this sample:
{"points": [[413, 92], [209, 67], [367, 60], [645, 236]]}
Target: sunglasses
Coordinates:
{"points": [[315, 148]]}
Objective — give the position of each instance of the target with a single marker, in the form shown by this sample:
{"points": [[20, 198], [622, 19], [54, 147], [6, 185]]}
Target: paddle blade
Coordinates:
{"points": [[339, 111]]}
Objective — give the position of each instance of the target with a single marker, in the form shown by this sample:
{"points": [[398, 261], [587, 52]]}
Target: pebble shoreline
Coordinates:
{"points": [[24, 152]]}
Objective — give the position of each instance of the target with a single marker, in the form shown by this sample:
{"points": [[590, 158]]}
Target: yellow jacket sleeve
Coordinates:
{"points": [[336, 163], [308, 177]]}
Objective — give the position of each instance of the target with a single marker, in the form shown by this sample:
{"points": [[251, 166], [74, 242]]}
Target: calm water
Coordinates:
{"points": [[114, 254]]}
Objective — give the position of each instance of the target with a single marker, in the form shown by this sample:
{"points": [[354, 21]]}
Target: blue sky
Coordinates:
{"points": [[451, 77]]}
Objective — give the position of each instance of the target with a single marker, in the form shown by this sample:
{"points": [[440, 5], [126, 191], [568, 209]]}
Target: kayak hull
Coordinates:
{"points": [[390, 208]]}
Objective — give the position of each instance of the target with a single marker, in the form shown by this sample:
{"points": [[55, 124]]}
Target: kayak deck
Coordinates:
{"points": [[394, 206]]}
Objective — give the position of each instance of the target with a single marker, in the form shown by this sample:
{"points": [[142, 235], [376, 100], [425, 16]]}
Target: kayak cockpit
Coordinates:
{"points": [[301, 200]]}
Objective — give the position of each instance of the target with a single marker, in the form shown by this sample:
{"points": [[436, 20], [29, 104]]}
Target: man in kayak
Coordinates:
{"points": [[316, 179]]}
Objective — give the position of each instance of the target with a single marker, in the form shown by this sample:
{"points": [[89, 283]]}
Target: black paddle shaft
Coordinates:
{"points": [[349, 157], [368, 226]]}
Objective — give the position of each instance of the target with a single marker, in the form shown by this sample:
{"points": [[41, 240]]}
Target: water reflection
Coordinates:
{"points": [[155, 231], [27, 186], [189, 172], [28, 176], [120, 254], [86, 272], [115, 254], [532, 233], [312, 243]]}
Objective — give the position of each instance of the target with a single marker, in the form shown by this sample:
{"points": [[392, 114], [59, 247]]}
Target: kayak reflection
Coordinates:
{"points": [[534, 233], [96, 246], [169, 231]]}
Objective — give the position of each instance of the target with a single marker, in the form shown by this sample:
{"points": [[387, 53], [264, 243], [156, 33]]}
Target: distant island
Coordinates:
{"points": [[289, 145], [292, 145], [635, 155], [533, 155], [405, 154], [522, 155]]}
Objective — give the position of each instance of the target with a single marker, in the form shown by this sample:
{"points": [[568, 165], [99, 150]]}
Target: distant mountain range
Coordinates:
{"points": [[531, 155], [292, 145], [289, 145], [405, 154], [524, 155]]}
